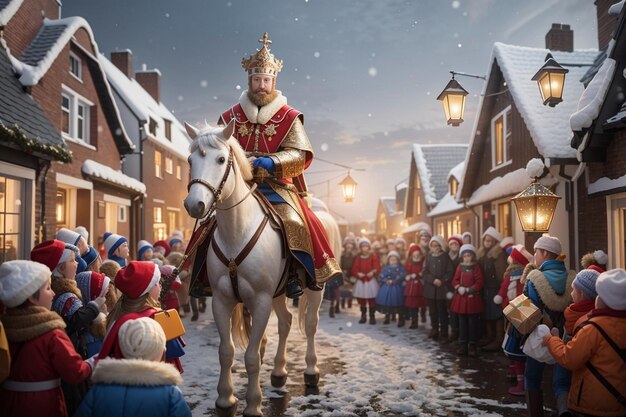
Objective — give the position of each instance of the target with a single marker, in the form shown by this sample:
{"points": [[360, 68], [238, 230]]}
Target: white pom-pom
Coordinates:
{"points": [[497, 299], [534, 168], [601, 257], [449, 295], [461, 290]]}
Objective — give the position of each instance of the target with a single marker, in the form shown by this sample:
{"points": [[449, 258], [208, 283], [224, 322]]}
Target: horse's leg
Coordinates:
{"points": [[311, 372], [279, 373], [260, 311], [222, 311]]}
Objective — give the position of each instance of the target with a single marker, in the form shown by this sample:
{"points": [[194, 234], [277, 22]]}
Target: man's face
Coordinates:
{"points": [[261, 84]]}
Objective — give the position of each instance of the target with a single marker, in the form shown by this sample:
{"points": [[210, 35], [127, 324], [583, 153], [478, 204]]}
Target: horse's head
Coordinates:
{"points": [[212, 156]]}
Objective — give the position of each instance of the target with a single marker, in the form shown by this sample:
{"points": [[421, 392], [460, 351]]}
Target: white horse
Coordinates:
{"points": [[219, 171]]}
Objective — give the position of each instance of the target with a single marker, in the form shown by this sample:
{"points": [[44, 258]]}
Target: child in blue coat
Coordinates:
{"points": [[390, 298]]}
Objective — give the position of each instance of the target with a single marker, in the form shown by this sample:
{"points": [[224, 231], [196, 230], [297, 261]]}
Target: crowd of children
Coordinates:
{"points": [[466, 290], [83, 337]]}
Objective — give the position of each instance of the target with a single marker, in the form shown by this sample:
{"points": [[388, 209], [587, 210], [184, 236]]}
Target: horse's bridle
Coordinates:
{"points": [[217, 192]]}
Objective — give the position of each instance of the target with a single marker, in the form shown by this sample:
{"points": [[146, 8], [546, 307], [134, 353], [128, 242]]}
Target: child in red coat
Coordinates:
{"points": [[414, 289], [365, 269], [41, 352], [170, 284], [467, 301]]}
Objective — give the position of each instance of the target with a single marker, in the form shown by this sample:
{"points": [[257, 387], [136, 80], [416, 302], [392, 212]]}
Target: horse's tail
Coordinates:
{"points": [[241, 324], [303, 304]]}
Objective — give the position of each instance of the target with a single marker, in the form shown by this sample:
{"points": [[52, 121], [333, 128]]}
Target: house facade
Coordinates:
{"points": [[162, 144], [428, 183], [513, 127], [57, 63]]}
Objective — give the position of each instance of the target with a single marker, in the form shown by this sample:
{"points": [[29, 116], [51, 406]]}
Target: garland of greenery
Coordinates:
{"points": [[14, 135]]}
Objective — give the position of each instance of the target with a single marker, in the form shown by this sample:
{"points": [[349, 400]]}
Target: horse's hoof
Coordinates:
{"points": [[278, 381], [252, 414], [311, 380], [227, 411]]}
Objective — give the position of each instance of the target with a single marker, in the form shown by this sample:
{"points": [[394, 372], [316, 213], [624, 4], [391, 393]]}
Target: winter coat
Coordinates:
{"points": [[511, 285], [40, 351], [455, 263], [170, 299], [134, 387], [414, 288], [471, 278], [364, 266], [346, 261], [548, 288], [391, 292], [493, 264], [587, 395], [5, 356], [575, 314], [437, 267]]}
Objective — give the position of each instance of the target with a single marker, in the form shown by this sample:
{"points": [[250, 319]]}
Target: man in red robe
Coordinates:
{"points": [[272, 134]]}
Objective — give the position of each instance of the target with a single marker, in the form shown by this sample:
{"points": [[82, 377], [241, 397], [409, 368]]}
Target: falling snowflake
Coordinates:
{"points": [[456, 4], [428, 93], [459, 45], [386, 133], [324, 147], [295, 69], [296, 19], [456, 35], [167, 15], [373, 55], [229, 4], [204, 83], [180, 98], [308, 77], [316, 54], [369, 114], [237, 87], [372, 72], [215, 97]]}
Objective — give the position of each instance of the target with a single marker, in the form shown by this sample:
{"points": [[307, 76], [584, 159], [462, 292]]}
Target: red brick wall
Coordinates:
{"points": [[606, 23], [26, 22]]}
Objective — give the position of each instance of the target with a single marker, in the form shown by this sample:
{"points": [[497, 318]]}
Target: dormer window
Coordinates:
{"points": [[454, 185], [168, 129], [76, 68], [152, 126], [501, 136]]}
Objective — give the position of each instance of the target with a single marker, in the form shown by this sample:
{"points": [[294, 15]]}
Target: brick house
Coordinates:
{"points": [[513, 126], [56, 60], [161, 143], [28, 145], [599, 127], [428, 183], [449, 217]]}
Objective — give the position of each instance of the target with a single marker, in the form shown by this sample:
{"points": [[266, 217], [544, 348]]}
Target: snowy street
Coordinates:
{"points": [[366, 370]]}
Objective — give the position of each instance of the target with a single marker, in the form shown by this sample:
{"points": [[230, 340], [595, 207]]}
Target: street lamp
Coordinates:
{"points": [[348, 186], [535, 206], [453, 99], [551, 79]]}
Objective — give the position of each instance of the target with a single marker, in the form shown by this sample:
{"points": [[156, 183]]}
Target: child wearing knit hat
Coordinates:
{"points": [[139, 384], [116, 247], [595, 352], [437, 274], [390, 297], [42, 353], [414, 289], [145, 251], [364, 271], [93, 285], [140, 286]]}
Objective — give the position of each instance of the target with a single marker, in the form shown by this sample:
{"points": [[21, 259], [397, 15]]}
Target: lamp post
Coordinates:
{"points": [[453, 98], [551, 79], [535, 206], [348, 187]]}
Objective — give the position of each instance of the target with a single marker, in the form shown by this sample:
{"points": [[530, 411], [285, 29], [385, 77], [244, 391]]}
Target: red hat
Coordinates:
{"points": [[48, 253], [137, 278], [92, 284], [163, 244], [518, 254], [413, 248], [457, 238], [596, 268]]}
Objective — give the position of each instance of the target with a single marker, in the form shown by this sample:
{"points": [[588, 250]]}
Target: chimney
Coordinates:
{"points": [[607, 23], [150, 80], [123, 60], [560, 38]]}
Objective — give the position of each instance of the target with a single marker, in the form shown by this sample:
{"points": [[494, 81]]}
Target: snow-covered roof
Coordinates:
{"points": [[389, 203], [616, 8], [509, 184], [145, 107], [402, 186], [457, 171], [446, 205], [592, 98], [94, 169], [606, 184], [8, 9], [549, 126], [45, 48], [415, 227], [433, 164]]}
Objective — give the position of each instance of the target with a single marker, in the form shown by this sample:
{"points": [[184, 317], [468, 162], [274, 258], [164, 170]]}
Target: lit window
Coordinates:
{"points": [[418, 204], [178, 172], [454, 184], [158, 215], [169, 165], [61, 208], [504, 219], [157, 164], [75, 66], [501, 134]]}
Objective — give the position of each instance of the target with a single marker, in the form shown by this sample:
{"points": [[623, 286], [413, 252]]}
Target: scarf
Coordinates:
{"points": [[556, 275], [24, 324], [63, 285], [120, 261]]}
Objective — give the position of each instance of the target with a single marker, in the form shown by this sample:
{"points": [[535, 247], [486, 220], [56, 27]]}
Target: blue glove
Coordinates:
{"points": [[265, 163]]}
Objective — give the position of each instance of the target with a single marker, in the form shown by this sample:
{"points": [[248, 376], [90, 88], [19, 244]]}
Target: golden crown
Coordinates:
{"points": [[263, 62]]}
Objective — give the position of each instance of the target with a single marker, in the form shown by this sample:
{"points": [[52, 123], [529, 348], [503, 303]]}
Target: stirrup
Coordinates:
{"points": [[293, 289]]}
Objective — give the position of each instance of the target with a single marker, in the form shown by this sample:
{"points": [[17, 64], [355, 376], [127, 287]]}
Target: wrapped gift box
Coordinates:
{"points": [[523, 314]]}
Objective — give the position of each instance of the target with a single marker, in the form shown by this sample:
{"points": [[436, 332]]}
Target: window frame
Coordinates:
{"points": [[169, 164], [507, 133], [76, 101], [79, 66], [158, 169], [167, 129], [179, 172]]}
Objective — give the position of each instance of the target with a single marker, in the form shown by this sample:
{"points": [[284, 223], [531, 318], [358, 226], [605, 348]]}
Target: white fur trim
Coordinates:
{"points": [[136, 372], [491, 231], [266, 112], [497, 299], [156, 276], [601, 257]]}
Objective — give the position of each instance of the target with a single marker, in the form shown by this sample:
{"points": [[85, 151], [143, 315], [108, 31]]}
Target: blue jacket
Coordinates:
{"points": [[134, 388]]}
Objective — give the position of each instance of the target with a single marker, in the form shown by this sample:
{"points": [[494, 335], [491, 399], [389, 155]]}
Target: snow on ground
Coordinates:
{"points": [[367, 370]]}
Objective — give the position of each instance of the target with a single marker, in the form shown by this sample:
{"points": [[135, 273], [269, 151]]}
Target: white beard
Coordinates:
{"points": [[265, 113]]}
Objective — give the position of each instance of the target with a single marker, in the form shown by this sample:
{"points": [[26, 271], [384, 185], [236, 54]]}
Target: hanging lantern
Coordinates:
{"points": [[348, 186], [535, 207], [551, 79], [453, 99]]}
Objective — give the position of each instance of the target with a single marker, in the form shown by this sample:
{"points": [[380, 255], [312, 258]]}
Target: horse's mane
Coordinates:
{"points": [[210, 136]]}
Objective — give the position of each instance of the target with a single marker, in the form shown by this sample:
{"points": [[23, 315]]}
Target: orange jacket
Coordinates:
{"points": [[587, 394]]}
